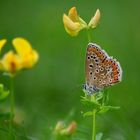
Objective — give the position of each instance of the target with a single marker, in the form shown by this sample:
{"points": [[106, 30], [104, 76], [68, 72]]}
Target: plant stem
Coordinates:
{"points": [[88, 35], [94, 125], [11, 107]]}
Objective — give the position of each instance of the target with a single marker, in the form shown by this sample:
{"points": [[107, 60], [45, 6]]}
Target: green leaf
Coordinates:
{"points": [[99, 136], [99, 96], [89, 113], [105, 97], [104, 109], [90, 103], [3, 93]]}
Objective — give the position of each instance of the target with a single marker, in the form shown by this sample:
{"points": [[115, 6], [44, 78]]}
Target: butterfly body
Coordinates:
{"points": [[101, 70]]}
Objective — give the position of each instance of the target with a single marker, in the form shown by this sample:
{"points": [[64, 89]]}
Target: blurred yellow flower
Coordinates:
{"points": [[73, 23], [25, 57], [10, 62], [2, 42], [95, 19]]}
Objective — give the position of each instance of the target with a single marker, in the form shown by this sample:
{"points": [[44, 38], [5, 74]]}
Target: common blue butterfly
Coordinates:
{"points": [[101, 70]]}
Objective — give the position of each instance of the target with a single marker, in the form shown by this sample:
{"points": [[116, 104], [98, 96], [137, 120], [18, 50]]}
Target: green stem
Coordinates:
{"points": [[88, 35], [94, 125], [11, 107]]}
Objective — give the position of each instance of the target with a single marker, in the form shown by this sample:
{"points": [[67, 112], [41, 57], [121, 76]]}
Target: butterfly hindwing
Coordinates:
{"points": [[101, 70]]}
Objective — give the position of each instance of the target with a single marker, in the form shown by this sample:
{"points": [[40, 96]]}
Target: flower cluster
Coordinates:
{"points": [[73, 23], [24, 57]]}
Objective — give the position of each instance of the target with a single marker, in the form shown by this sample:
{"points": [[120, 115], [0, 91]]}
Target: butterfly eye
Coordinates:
{"points": [[110, 80], [84, 86]]}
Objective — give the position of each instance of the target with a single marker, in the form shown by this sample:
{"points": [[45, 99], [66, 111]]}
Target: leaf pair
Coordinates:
{"points": [[98, 102]]}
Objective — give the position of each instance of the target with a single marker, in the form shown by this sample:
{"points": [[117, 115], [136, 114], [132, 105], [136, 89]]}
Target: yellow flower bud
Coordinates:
{"points": [[95, 19], [73, 23], [73, 14]]}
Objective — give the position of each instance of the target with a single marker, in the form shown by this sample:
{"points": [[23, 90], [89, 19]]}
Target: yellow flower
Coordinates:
{"points": [[73, 23], [25, 57], [2, 42], [28, 55], [95, 19], [10, 62]]}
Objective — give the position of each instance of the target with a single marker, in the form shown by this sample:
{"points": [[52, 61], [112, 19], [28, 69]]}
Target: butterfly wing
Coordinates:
{"points": [[101, 70]]}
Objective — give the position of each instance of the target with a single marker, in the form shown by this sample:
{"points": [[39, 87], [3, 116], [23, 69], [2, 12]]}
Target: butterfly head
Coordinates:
{"points": [[90, 89]]}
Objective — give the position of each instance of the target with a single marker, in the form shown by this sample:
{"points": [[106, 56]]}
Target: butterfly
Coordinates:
{"points": [[101, 70]]}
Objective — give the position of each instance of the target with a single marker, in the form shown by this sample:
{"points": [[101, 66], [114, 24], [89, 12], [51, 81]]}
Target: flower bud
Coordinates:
{"points": [[71, 128], [59, 126], [95, 19]]}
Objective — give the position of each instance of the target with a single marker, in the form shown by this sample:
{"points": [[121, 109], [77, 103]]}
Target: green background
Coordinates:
{"points": [[51, 90]]}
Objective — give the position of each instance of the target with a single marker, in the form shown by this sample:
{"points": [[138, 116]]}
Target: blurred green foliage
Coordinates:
{"points": [[48, 93]]}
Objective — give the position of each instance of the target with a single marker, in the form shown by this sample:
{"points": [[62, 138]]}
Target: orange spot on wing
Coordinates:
{"points": [[105, 62], [116, 73], [91, 50]]}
